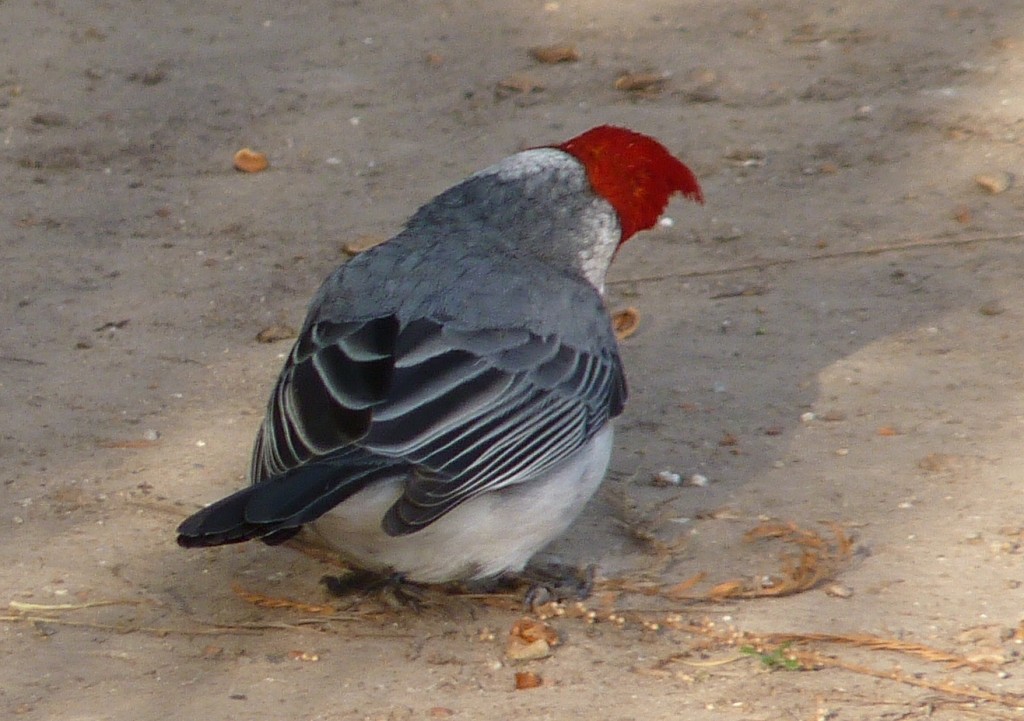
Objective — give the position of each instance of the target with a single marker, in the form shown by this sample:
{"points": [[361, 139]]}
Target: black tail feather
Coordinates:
{"points": [[276, 509], [223, 522]]}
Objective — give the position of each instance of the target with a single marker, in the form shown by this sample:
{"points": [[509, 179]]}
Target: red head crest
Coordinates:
{"points": [[633, 172]]}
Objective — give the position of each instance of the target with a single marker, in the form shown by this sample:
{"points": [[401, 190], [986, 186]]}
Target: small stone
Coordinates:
{"points": [[527, 680], [519, 83], [992, 307], [667, 478], [551, 54], [640, 82], [702, 76], [625, 322], [247, 160], [303, 656], [994, 183], [747, 157]]}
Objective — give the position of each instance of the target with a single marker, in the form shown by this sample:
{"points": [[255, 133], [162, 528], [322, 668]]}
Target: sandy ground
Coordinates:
{"points": [[836, 336]]}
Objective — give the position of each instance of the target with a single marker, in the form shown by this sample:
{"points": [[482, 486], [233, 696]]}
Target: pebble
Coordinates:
{"points": [[667, 478], [994, 183], [992, 307], [863, 112], [838, 590], [698, 480]]}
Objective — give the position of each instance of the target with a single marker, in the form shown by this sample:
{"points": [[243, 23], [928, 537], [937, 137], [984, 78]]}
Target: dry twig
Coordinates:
{"points": [[263, 601], [897, 247]]}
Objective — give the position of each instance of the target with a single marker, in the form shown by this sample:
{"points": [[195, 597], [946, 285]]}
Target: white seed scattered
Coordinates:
{"points": [[838, 590], [667, 478], [807, 417], [698, 480]]}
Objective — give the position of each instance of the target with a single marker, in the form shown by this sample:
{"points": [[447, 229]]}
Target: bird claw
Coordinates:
{"points": [[558, 582], [395, 591], [350, 582], [401, 595]]}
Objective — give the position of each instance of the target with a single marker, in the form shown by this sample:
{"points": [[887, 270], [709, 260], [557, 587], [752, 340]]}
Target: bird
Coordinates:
{"points": [[447, 408]]}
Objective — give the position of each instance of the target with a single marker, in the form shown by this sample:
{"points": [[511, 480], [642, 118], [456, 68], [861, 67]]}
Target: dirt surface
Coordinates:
{"points": [[836, 336]]}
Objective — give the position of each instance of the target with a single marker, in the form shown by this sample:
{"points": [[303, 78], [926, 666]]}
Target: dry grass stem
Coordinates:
{"points": [[897, 247], [263, 601]]}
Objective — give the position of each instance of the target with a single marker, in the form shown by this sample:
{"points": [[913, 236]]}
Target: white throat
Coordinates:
{"points": [[595, 259]]}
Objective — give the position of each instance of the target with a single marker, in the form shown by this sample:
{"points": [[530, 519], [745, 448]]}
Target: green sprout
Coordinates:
{"points": [[775, 659]]}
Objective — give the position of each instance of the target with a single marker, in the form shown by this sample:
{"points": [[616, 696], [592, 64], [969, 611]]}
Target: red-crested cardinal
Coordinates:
{"points": [[446, 410]]}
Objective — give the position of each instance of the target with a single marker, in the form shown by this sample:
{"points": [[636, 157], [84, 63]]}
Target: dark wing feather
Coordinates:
{"points": [[324, 399], [500, 407], [457, 412]]}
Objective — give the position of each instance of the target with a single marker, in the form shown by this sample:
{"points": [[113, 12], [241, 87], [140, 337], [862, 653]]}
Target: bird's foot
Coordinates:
{"points": [[557, 582], [394, 590]]}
